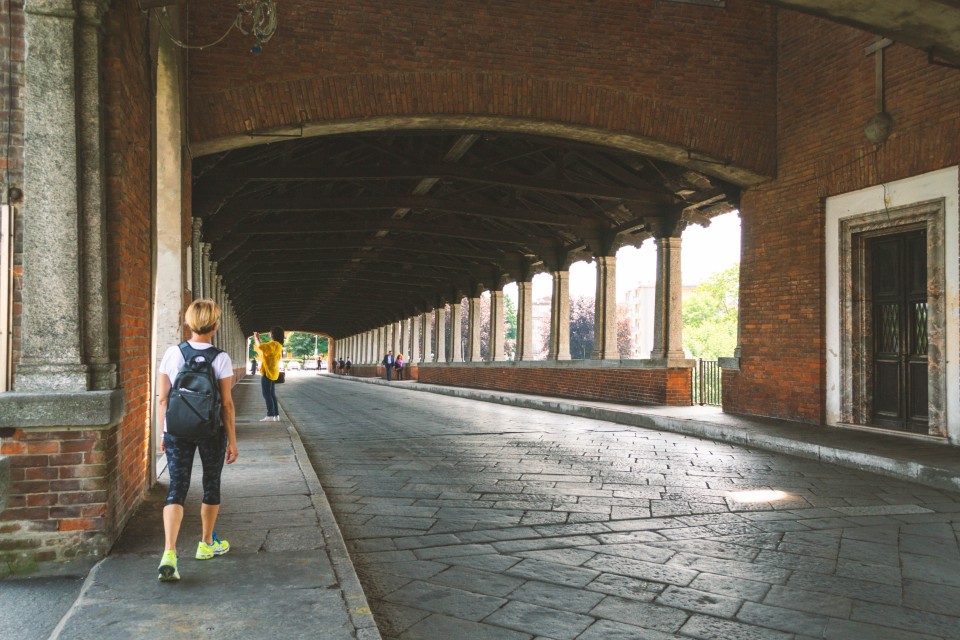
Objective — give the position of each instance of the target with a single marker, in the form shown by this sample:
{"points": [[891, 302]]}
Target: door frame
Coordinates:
{"points": [[930, 200]]}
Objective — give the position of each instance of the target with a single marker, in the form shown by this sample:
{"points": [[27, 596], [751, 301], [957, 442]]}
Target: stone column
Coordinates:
{"points": [[456, 334], [560, 317], [51, 356], [103, 373], [405, 347], [440, 338], [524, 320], [205, 268], [427, 331], [605, 311], [668, 312], [415, 323], [473, 329], [497, 329], [218, 287], [196, 284]]}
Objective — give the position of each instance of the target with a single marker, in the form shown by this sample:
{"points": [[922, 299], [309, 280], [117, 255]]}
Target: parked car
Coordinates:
{"points": [[310, 365], [294, 365]]}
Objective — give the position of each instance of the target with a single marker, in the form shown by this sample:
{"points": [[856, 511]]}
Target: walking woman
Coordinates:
{"points": [[203, 319], [270, 353]]}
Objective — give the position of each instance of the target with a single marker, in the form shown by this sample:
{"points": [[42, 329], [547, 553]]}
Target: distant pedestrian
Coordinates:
{"points": [[398, 366], [203, 319], [253, 366], [340, 365], [348, 363], [270, 353], [388, 364]]}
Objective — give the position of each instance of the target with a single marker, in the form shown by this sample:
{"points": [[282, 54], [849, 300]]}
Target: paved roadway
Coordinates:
{"points": [[476, 521]]}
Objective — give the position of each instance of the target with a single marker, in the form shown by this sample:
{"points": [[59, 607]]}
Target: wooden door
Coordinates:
{"points": [[900, 364]]}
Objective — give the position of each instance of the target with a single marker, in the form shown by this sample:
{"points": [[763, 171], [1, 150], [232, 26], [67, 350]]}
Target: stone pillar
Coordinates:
{"points": [[102, 372], [440, 338], [560, 317], [456, 334], [415, 323], [524, 320], [473, 330], [196, 284], [51, 357], [427, 336], [497, 328], [218, 287], [205, 268], [405, 347], [668, 311], [605, 311]]}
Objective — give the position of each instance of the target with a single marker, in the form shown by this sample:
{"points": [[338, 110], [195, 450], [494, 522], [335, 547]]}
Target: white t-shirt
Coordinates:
{"points": [[173, 359]]}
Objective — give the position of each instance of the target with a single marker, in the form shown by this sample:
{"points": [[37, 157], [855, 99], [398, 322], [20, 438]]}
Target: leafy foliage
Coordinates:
{"points": [[710, 316], [300, 345], [581, 327]]}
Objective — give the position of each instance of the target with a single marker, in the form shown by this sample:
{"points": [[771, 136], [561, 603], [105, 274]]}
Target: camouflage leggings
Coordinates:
{"points": [[180, 454]]}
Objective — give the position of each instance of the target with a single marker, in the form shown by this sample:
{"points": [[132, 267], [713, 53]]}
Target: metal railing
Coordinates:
{"points": [[706, 383]]}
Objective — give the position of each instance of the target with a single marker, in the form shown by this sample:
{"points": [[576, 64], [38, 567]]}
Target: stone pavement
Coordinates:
{"points": [[287, 574], [480, 521]]}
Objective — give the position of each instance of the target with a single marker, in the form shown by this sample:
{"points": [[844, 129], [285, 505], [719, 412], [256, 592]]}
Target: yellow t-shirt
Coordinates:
{"points": [[270, 353]]}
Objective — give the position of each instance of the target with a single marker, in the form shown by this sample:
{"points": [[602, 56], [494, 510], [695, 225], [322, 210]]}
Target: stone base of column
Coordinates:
{"points": [[92, 409], [52, 377], [103, 376]]}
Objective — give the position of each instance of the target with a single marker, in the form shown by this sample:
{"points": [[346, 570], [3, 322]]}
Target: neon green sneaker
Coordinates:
{"points": [[168, 567], [217, 548]]}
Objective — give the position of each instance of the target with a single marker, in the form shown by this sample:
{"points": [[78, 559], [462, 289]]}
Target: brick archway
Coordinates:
{"points": [[358, 103]]}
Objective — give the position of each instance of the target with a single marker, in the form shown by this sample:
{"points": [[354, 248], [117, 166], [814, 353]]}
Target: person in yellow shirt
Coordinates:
{"points": [[270, 353]]}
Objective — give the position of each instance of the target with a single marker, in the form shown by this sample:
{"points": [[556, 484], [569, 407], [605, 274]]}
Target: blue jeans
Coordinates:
{"points": [[269, 389]]}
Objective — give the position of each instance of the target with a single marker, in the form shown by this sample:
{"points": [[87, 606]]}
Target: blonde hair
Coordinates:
{"points": [[202, 316]]}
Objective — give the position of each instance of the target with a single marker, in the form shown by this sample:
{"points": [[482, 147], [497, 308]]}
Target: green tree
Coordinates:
{"points": [[510, 315], [299, 344], [581, 327], [710, 316]]}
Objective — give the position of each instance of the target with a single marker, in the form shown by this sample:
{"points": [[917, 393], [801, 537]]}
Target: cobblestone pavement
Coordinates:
{"points": [[474, 521]]}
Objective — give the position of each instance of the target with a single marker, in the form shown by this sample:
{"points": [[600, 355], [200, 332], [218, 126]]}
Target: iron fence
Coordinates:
{"points": [[706, 383]]}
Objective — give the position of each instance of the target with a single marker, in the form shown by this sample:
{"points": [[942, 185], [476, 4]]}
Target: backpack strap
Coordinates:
{"points": [[189, 352]]}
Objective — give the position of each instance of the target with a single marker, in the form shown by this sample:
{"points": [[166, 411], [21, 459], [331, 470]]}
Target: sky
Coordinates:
{"points": [[703, 252]]}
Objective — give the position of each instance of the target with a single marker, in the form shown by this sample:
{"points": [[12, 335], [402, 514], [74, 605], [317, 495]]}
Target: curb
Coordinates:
{"points": [[354, 597]]}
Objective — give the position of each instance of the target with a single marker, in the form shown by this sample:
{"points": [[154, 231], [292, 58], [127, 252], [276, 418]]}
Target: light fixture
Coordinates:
{"points": [[254, 17]]}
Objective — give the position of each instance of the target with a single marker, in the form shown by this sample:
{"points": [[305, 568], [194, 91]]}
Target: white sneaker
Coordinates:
{"points": [[267, 419], [276, 418]]}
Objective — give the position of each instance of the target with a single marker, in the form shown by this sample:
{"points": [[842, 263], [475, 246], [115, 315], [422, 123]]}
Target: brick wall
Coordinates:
{"points": [[826, 91], [60, 483], [692, 76], [128, 145], [628, 386]]}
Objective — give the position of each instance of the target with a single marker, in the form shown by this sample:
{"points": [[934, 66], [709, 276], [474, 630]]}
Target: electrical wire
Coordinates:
{"points": [[263, 24]]}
